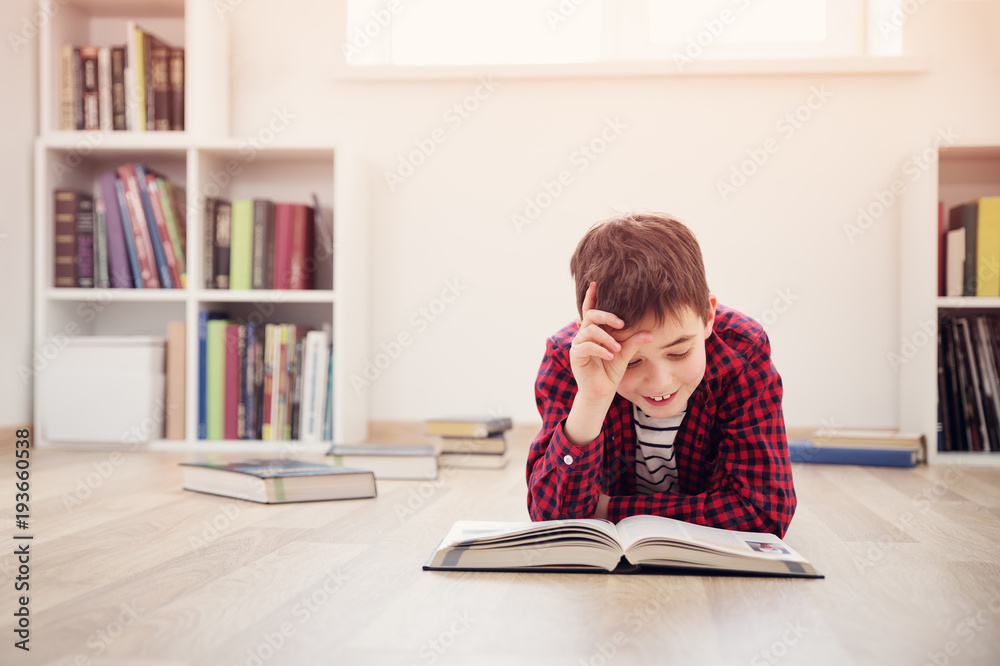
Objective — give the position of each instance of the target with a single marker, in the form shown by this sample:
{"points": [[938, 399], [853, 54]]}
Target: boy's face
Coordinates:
{"points": [[666, 371]]}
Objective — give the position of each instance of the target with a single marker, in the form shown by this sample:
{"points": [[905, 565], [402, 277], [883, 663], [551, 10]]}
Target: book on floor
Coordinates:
{"points": [[468, 426], [638, 544], [388, 461], [872, 439], [495, 443], [276, 481], [473, 460], [806, 451]]}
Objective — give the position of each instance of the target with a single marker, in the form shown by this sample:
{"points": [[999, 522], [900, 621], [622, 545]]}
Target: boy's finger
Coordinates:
{"points": [[601, 317], [588, 348], [590, 298], [632, 345], [597, 334]]}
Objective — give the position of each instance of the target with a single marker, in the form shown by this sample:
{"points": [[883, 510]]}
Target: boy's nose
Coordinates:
{"points": [[659, 377]]}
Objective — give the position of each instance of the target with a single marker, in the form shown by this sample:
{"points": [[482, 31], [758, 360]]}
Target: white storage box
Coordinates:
{"points": [[107, 389]]}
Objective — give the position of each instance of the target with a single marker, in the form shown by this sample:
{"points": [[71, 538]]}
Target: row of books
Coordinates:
{"points": [[969, 383], [260, 244], [969, 248], [132, 234], [263, 381], [136, 86]]}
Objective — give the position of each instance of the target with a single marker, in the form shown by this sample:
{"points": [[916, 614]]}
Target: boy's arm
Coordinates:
{"points": [[562, 477], [750, 487]]}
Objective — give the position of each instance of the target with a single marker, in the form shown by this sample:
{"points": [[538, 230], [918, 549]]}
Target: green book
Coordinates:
{"points": [[173, 228], [241, 244], [215, 382]]}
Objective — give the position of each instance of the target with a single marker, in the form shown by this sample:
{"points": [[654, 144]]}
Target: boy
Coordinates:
{"points": [[657, 400]]}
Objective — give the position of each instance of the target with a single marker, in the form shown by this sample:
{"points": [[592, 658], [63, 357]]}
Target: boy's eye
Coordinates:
{"points": [[632, 364], [680, 357]]}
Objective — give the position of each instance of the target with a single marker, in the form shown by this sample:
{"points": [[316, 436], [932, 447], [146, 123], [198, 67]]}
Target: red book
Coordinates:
{"points": [[140, 228], [293, 241], [232, 393], [156, 198]]}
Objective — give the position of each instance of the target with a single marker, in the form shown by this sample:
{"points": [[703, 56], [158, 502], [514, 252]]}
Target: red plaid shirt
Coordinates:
{"points": [[732, 457]]}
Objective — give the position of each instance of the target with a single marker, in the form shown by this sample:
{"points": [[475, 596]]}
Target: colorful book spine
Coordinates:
{"points": [[174, 229], [303, 237], [130, 245], [804, 451], [282, 271], [157, 241], [156, 204], [231, 370], [216, 382], [140, 227], [241, 244], [64, 257], [223, 230], [267, 406], [988, 247], [203, 318]]}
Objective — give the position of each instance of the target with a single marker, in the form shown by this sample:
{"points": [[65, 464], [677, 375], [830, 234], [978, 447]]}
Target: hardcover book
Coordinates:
{"points": [[388, 461], [64, 257], [276, 481], [638, 544], [468, 426], [805, 451]]}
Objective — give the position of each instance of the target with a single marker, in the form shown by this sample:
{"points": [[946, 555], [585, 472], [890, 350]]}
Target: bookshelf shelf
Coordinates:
{"points": [[959, 173], [207, 161]]}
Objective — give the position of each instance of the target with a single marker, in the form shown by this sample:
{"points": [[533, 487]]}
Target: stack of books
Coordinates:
{"points": [[263, 381], [388, 461], [969, 248], [882, 448], [136, 86], [476, 442], [131, 235]]}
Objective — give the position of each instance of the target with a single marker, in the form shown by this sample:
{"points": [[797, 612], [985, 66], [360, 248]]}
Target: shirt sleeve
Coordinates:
{"points": [[750, 485], [562, 477]]}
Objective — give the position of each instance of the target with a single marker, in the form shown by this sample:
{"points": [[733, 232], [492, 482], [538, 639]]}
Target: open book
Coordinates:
{"points": [[637, 543]]}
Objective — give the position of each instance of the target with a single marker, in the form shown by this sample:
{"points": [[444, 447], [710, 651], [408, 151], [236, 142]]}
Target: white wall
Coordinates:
{"points": [[781, 233]]}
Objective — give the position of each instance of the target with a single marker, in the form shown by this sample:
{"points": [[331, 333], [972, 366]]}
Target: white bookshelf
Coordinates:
{"points": [[276, 171], [961, 173]]}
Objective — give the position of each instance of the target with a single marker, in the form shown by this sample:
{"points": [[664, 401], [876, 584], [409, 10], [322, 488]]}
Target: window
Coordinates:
{"points": [[492, 32]]}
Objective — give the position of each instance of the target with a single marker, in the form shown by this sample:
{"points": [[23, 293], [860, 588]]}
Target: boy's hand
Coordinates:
{"points": [[597, 360]]}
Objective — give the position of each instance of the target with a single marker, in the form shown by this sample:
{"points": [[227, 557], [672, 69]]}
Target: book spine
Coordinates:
{"points": [[118, 88], [163, 234], [140, 228], [241, 382], [64, 258], [148, 109], [203, 318], [802, 451], [85, 241], [282, 245], [223, 230], [328, 417], [241, 244], [104, 88], [91, 88], [247, 382], [266, 405], [970, 213], [208, 244], [170, 215], [177, 89], [296, 410], [101, 269], [988, 247], [162, 268], [307, 418], [300, 277], [159, 62], [131, 64], [176, 364], [216, 382], [128, 235], [231, 427], [78, 120], [260, 247], [67, 100]]}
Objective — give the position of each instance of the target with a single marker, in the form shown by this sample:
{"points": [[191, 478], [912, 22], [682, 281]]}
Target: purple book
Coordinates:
{"points": [[118, 264]]}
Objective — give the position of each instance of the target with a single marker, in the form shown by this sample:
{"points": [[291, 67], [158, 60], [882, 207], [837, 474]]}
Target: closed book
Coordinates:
{"points": [[804, 451], [241, 244], [216, 381], [102, 277], [263, 244], [85, 241], [159, 77], [155, 238], [176, 80], [494, 443], [283, 214], [148, 268], [129, 235], [473, 460], [119, 269], [175, 229], [873, 439], [208, 243], [231, 374], [64, 235], [468, 426], [267, 402], [223, 229], [276, 481], [67, 95], [241, 378], [176, 374], [156, 204], [78, 119], [955, 262], [145, 80], [301, 270], [204, 317], [315, 361], [253, 379], [105, 112], [118, 88], [91, 91], [964, 216], [988, 247], [296, 387], [388, 461]]}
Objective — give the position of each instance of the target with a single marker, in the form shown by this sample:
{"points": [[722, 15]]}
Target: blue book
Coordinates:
{"points": [[133, 258], [203, 318], [154, 233], [804, 451]]}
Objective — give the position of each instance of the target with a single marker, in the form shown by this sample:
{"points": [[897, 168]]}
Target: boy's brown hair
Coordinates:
{"points": [[643, 263]]}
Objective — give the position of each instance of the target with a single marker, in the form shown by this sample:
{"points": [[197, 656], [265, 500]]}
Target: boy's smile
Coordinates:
{"points": [[665, 371]]}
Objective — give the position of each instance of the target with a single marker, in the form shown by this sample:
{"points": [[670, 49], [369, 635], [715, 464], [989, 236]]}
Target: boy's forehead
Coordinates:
{"points": [[669, 328]]}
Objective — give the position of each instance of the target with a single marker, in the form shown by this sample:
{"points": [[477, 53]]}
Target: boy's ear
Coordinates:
{"points": [[710, 320]]}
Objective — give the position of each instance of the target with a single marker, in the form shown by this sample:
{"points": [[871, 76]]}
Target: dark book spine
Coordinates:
{"points": [[223, 213], [297, 387], [91, 90], [177, 89], [147, 83], [263, 243], [208, 246], [118, 87], [159, 55], [85, 241], [65, 239], [77, 89], [258, 382]]}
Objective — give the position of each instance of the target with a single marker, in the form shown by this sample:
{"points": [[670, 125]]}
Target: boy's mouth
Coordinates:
{"points": [[660, 399]]}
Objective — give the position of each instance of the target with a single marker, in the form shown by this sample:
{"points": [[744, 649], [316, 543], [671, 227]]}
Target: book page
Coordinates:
{"points": [[634, 529], [485, 532]]}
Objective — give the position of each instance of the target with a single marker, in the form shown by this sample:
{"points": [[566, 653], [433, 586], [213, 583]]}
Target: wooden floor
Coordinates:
{"points": [[128, 568]]}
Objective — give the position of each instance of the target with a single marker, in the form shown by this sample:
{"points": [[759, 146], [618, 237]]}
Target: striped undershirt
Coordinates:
{"points": [[655, 463]]}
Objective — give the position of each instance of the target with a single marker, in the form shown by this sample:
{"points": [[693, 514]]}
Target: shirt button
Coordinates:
{"points": [[568, 459]]}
